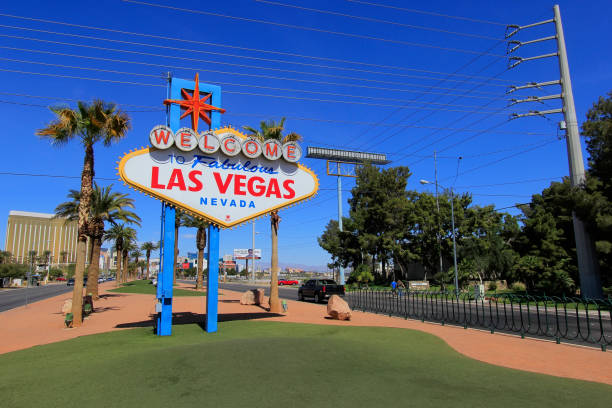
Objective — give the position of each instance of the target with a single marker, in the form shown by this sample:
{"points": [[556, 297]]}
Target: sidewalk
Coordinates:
{"points": [[42, 323]]}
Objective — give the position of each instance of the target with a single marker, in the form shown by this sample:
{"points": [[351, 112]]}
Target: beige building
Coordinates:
{"points": [[27, 231]]}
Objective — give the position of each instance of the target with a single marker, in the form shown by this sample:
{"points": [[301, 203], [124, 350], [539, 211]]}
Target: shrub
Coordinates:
{"points": [[55, 273], [13, 271], [492, 286], [518, 287], [362, 274]]}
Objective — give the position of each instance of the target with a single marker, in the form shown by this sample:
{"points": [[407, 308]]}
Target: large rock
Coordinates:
{"points": [[260, 299], [67, 306], [248, 298], [338, 309]]}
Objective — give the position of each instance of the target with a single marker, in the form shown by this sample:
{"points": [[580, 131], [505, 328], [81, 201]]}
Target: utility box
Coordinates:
{"points": [[479, 292]]}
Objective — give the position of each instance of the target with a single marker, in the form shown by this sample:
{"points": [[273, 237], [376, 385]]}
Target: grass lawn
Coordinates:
{"points": [[271, 364], [145, 287]]}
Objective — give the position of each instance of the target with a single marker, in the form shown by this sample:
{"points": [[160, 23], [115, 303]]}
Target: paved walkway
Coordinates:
{"points": [[42, 323]]}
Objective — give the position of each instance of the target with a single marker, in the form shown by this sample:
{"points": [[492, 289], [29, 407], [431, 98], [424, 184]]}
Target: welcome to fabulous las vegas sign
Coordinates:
{"points": [[220, 175]]}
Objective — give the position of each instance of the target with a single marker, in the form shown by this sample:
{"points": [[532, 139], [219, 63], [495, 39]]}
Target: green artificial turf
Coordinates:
{"points": [[272, 364], [145, 287]]}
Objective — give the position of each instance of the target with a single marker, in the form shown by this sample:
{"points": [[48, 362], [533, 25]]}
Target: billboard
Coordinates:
{"points": [[247, 253], [220, 175]]}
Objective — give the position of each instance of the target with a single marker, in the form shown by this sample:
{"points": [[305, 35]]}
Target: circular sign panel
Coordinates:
{"points": [[209, 142], [161, 137], [251, 148], [186, 139], [272, 149], [230, 144], [292, 152]]}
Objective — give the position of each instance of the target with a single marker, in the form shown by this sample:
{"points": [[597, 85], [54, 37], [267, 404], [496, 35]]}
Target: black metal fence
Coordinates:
{"points": [[569, 319]]}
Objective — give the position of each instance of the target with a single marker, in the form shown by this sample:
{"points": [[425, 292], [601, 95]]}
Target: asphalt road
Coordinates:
{"points": [[284, 292], [12, 298]]}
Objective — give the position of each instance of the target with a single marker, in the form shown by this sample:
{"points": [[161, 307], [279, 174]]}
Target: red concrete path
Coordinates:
{"points": [[42, 323]]}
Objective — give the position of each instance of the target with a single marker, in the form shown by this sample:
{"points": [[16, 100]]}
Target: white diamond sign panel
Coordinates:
{"points": [[226, 190]]}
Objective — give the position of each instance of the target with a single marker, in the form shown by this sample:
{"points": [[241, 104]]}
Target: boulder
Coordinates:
{"points": [[338, 309], [248, 298], [260, 299], [67, 306]]}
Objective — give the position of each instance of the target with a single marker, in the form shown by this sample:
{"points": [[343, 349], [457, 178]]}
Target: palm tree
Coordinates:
{"points": [[122, 235], [136, 253], [46, 257], [129, 245], [179, 220], [201, 225], [148, 247], [98, 121], [63, 257], [5, 257], [106, 206], [272, 130]]}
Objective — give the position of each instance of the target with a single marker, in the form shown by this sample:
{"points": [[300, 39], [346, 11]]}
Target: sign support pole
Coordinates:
{"points": [[341, 269], [164, 285], [212, 281]]}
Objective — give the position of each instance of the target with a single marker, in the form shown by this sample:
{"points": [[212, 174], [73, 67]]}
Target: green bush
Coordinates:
{"points": [[518, 287], [13, 271], [55, 273], [362, 274], [492, 286]]}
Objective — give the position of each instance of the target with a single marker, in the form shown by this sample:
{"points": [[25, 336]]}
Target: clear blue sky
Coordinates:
{"points": [[379, 85]]}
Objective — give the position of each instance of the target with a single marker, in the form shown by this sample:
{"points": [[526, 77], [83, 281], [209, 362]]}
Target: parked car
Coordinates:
{"points": [[282, 282], [71, 282], [320, 289], [100, 280], [61, 279]]}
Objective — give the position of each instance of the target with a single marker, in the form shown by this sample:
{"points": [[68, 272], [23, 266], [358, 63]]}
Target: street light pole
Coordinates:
{"points": [[453, 232], [454, 242], [253, 255]]}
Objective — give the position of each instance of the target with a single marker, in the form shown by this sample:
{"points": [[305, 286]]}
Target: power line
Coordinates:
{"points": [[235, 84], [258, 50], [71, 99], [377, 20], [204, 52], [46, 107], [429, 13], [471, 61], [174, 66], [266, 115], [242, 93], [504, 158], [511, 182], [8, 173], [313, 29], [423, 118]]}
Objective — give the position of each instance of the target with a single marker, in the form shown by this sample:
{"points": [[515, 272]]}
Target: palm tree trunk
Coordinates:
{"points": [[201, 244], [84, 204], [94, 269], [275, 306], [119, 265], [148, 257], [90, 244], [126, 269], [176, 249]]}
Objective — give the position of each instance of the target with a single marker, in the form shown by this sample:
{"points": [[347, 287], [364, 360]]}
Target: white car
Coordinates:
{"points": [[154, 282]]}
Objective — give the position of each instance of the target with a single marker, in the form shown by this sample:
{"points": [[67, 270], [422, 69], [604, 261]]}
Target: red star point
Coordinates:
{"points": [[194, 105]]}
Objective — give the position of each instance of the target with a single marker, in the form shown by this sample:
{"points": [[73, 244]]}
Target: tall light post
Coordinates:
{"points": [[453, 232], [253, 254]]}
